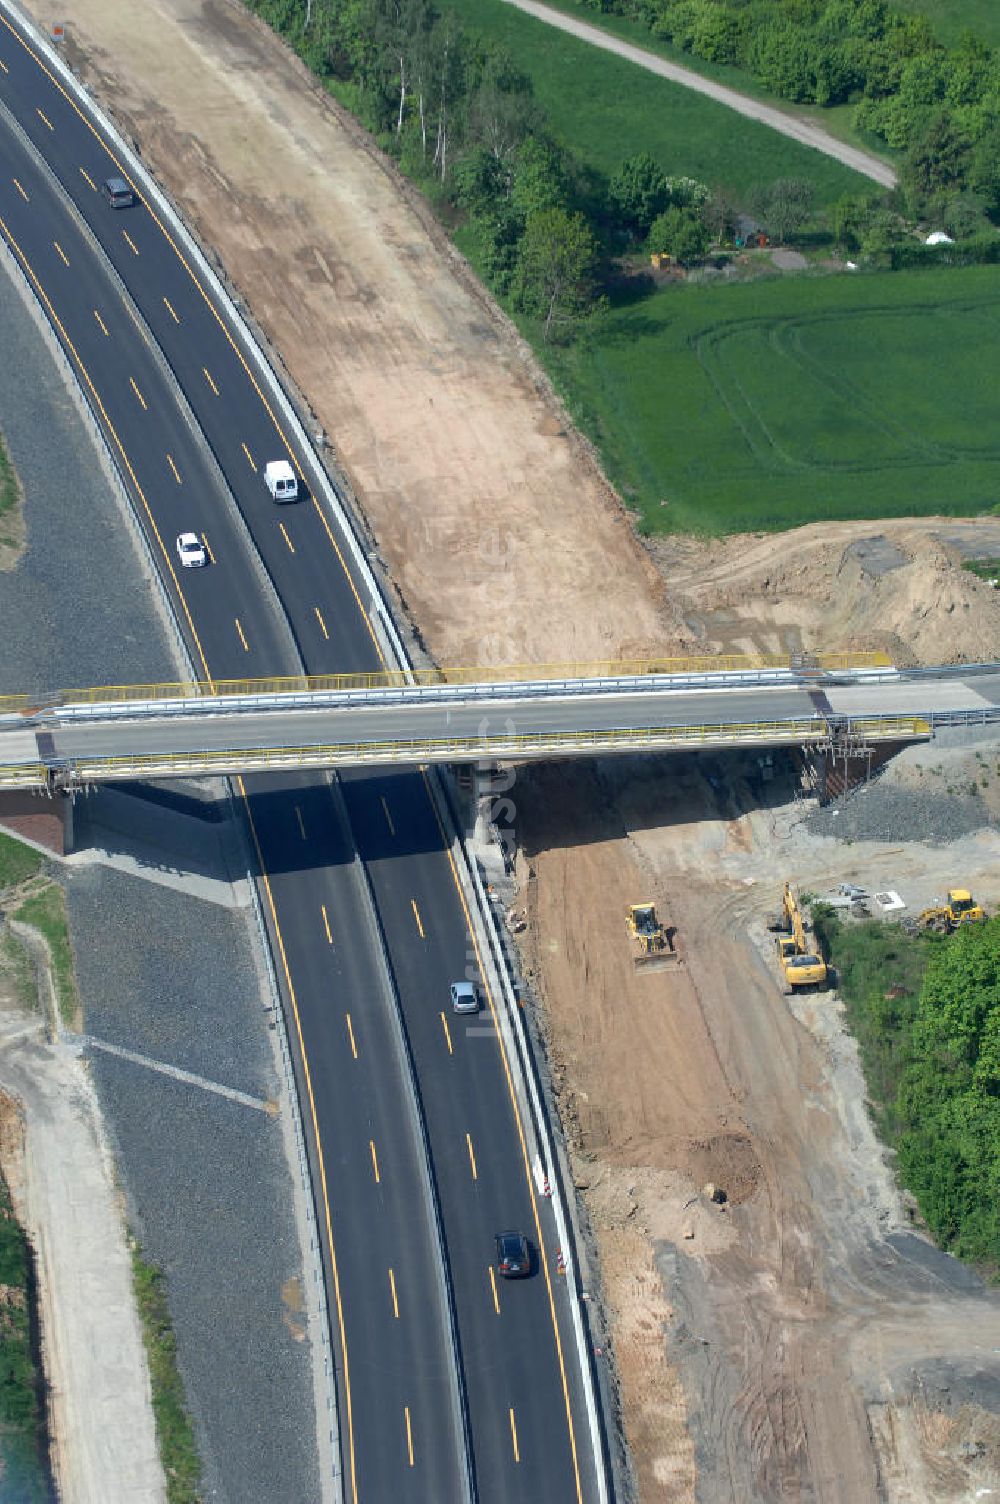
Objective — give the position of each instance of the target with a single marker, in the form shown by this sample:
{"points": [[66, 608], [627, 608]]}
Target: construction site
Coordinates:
{"points": [[780, 1326]]}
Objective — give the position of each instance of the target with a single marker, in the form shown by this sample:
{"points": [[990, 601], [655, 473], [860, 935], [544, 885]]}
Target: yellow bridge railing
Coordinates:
{"points": [[456, 749], [716, 663]]}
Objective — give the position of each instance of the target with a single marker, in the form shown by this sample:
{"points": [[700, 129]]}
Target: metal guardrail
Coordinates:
{"points": [[613, 669], [517, 747]]}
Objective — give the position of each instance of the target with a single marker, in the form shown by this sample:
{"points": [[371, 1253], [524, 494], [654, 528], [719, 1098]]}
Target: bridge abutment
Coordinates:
{"points": [[43, 818]]}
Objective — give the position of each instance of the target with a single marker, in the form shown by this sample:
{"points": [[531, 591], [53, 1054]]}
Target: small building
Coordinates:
{"points": [[939, 238]]}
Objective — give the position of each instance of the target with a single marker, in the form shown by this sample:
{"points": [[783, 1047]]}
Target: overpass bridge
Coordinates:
{"points": [[187, 730]]}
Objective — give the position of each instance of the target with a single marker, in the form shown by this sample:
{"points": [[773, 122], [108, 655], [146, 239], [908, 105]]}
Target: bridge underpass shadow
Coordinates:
{"points": [[601, 799]]}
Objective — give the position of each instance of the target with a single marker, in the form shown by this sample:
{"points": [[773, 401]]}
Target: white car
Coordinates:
{"points": [[191, 551]]}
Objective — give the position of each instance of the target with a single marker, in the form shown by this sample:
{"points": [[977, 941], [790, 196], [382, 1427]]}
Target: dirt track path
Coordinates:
{"points": [[789, 125], [101, 1413]]}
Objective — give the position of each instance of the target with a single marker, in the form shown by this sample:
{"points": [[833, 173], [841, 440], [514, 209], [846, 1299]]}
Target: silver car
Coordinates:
{"points": [[464, 997]]}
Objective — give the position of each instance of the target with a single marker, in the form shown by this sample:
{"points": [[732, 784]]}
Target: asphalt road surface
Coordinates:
{"points": [[402, 722], [401, 1435]]}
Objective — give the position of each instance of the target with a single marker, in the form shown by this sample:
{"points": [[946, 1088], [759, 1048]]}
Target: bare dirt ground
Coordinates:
{"points": [[495, 521], [794, 1323], [56, 1163], [800, 1315]]}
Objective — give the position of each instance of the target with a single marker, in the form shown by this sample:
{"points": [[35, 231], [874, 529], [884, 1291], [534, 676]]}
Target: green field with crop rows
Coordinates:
{"points": [[780, 402]]}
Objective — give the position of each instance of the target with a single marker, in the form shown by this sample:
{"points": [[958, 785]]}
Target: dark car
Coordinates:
{"points": [[119, 194], [513, 1255]]}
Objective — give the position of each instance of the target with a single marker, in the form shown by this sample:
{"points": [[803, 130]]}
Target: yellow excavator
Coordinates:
{"points": [[655, 946], [960, 909], [801, 964]]}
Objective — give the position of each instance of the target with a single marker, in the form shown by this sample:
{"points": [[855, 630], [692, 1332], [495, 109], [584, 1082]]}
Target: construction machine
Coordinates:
{"points": [[959, 909], [655, 946], [801, 964]]}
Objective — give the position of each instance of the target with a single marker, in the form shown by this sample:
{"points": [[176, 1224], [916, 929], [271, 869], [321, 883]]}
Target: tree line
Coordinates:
{"points": [[939, 106], [459, 115], [926, 1011]]}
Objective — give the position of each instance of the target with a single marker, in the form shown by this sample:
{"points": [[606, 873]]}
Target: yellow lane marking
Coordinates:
{"points": [[447, 1033], [284, 534], [320, 1157], [208, 549], [392, 1288], [493, 1287], [21, 191], [371, 1145], [525, 1160], [89, 125], [326, 924], [208, 378], [409, 1434], [131, 382], [174, 470], [416, 915], [101, 324], [249, 456], [513, 1435], [472, 1156], [227, 335], [239, 628], [3, 65], [388, 817], [322, 623], [132, 245], [354, 1047], [88, 178], [302, 823], [42, 116], [58, 324], [61, 253], [170, 309]]}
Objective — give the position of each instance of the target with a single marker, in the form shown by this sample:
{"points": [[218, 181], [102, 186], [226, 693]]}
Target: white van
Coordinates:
{"points": [[280, 480]]}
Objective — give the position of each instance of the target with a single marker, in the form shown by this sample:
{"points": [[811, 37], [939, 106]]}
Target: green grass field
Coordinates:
{"points": [[774, 403], [837, 120], [950, 18], [606, 109]]}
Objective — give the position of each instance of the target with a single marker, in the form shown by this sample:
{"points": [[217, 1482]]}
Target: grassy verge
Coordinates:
{"points": [[606, 109], [46, 912], [836, 119], [173, 1424], [17, 862], [19, 969], [721, 409], [9, 489], [24, 1470]]}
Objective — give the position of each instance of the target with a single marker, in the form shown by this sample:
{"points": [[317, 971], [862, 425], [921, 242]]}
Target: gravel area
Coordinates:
{"points": [[937, 791], [205, 1179], [76, 608], [881, 813]]}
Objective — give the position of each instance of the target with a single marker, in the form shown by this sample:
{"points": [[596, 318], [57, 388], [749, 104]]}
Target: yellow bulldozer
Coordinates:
{"points": [[959, 909], [801, 964], [655, 943]]}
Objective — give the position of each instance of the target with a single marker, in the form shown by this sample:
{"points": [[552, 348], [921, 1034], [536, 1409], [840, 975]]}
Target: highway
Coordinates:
{"points": [[139, 323]]}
